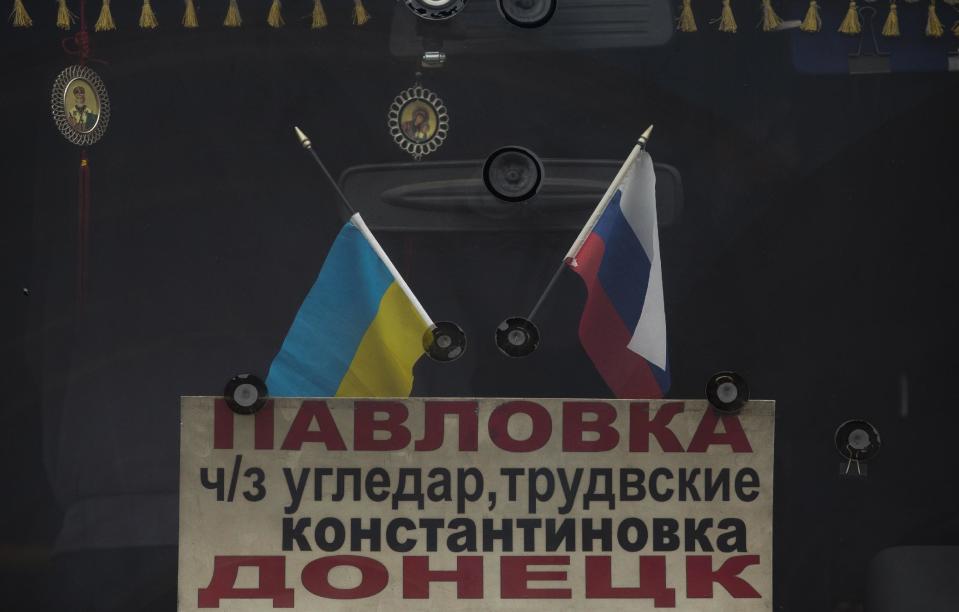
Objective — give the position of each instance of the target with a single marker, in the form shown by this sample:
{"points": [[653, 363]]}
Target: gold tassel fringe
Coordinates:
{"points": [[955, 28], [687, 22], [319, 15], [812, 22], [148, 19], [727, 21], [891, 27], [105, 20], [771, 20], [850, 25], [275, 17], [189, 16], [934, 27], [233, 19], [64, 16], [360, 16], [21, 19]]}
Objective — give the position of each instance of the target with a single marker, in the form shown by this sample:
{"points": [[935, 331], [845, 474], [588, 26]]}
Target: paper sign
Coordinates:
{"points": [[475, 504]]}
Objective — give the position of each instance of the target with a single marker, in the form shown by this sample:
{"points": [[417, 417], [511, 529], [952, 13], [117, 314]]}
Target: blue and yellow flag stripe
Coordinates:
{"points": [[359, 331]]}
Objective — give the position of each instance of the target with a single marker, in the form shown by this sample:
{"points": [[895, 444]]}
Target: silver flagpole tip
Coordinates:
{"points": [[302, 137], [645, 137]]}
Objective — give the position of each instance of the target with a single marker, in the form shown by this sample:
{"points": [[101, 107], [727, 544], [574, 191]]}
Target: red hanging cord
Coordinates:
{"points": [[81, 48], [80, 40], [83, 224]]}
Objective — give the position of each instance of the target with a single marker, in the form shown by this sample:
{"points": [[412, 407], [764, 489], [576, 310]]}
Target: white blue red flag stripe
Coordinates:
{"points": [[623, 325]]}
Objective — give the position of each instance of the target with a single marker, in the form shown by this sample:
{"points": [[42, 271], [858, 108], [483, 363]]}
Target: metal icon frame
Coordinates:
{"points": [[418, 99], [72, 122]]}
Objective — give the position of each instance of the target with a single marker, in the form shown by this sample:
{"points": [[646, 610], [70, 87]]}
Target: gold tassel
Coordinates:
{"points": [[727, 22], [64, 16], [812, 22], [955, 28], [891, 27], [934, 27], [148, 19], [687, 22], [850, 25], [233, 19], [21, 19], [319, 15], [771, 20], [105, 20], [275, 17], [360, 16], [189, 16]]}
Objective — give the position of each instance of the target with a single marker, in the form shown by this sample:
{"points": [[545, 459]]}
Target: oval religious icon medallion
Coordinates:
{"points": [[80, 105], [418, 121]]}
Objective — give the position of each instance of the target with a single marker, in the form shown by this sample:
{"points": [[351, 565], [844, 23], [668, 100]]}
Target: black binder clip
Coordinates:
{"points": [[876, 62]]}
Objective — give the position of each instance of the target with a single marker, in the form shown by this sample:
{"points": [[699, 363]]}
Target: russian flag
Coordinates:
{"points": [[623, 325]]}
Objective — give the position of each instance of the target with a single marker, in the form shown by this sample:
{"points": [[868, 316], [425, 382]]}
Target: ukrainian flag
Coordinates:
{"points": [[359, 331]]}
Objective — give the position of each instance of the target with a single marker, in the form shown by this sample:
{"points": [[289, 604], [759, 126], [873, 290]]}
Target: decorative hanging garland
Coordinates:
{"points": [[812, 22], [274, 18], [770, 20], [685, 22], [890, 28], [319, 15], [190, 19], [360, 15], [65, 18], [20, 18], [934, 27], [105, 21], [233, 18], [726, 19], [148, 19], [850, 24]]}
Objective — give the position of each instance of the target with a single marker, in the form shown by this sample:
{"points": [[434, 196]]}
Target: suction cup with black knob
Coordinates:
{"points": [[727, 392], [445, 341], [435, 10], [245, 394], [527, 13], [857, 440], [517, 337], [513, 174]]}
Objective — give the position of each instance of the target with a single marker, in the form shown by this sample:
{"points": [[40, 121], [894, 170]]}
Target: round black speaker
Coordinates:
{"points": [[245, 394], [527, 13], [727, 392], [857, 440], [517, 337], [435, 10], [445, 341], [513, 174]]}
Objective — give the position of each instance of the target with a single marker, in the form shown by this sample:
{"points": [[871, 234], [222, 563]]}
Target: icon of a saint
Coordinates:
{"points": [[81, 116], [419, 122]]}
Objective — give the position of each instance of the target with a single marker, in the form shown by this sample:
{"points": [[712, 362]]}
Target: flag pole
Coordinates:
{"points": [[593, 218], [357, 221], [308, 145], [361, 225]]}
